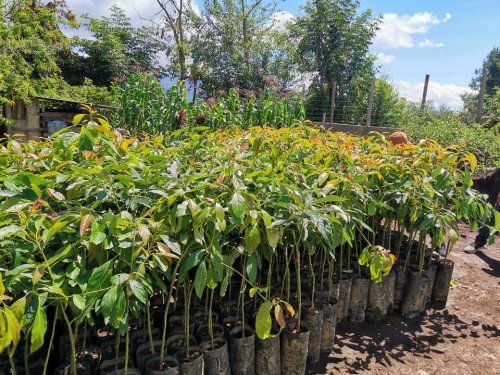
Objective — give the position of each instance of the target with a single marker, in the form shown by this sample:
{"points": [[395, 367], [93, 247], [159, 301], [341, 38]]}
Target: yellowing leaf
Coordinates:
{"points": [[278, 314], [453, 284], [38, 274], [55, 194], [165, 250], [145, 233], [126, 143]]}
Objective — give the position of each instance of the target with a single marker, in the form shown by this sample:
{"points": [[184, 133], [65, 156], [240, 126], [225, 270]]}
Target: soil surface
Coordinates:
{"points": [[462, 337]]}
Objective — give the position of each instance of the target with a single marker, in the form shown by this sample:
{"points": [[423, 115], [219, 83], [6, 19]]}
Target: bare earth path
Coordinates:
{"points": [[461, 338]]}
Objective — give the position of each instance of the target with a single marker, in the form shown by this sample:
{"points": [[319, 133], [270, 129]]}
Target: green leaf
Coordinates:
{"points": [[113, 306], [251, 269], [85, 142], [38, 329], [100, 277], [10, 230], [138, 290], [372, 208], [263, 322], [252, 239], [238, 206], [200, 280], [79, 301], [497, 220], [329, 199], [191, 261], [97, 237]]}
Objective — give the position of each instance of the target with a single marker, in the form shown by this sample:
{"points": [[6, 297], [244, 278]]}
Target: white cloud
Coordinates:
{"points": [[398, 31], [139, 11], [438, 93], [383, 58], [279, 20], [426, 43]]}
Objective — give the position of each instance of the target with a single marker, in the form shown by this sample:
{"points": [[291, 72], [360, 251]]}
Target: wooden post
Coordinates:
{"points": [[33, 120], [480, 99], [324, 119], [426, 86], [332, 104], [370, 104]]}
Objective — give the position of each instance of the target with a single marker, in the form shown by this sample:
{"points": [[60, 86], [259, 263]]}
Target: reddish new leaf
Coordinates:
{"points": [[85, 224]]}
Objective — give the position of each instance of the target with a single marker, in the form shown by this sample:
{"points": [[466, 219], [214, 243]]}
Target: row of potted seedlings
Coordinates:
{"points": [[148, 255]]}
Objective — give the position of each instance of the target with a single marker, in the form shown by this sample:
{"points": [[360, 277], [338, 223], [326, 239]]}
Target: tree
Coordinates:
{"points": [[333, 44], [31, 40], [238, 47], [177, 24], [491, 67], [388, 106], [114, 51]]}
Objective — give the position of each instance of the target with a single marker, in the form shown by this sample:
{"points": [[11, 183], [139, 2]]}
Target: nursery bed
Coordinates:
{"points": [[463, 338]]}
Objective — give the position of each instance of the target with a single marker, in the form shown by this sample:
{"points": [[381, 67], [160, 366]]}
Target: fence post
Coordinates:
{"points": [[426, 86], [370, 103], [480, 99], [332, 104]]}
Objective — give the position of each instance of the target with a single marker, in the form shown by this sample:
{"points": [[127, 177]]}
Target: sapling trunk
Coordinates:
{"points": [[51, 341], [165, 315], [26, 364], [313, 279], [127, 338], [117, 348], [150, 330], [323, 266], [187, 305], [411, 238], [268, 281], [72, 342], [13, 365], [299, 287], [210, 318], [330, 278]]}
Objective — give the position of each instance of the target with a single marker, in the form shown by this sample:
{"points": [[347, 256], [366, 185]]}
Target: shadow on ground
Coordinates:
{"points": [[494, 264], [360, 345]]}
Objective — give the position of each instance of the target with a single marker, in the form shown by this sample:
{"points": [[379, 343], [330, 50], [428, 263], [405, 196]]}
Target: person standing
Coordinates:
{"points": [[484, 232]]}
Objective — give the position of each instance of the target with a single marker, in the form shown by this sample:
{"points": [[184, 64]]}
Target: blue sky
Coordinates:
{"points": [[447, 39]]}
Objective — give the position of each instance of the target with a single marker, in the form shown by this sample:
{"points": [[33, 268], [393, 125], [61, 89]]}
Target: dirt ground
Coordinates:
{"points": [[461, 338]]}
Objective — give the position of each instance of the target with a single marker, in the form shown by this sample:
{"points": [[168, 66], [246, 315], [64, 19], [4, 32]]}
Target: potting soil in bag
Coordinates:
{"points": [[294, 347], [431, 274], [399, 288], [314, 320], [415, 295], [242, 351], [442, 280], [358, 300], [216, 358], [329, 326], [376, 310], [344, 295], [194, 365], [390, 285], [267, 356]]}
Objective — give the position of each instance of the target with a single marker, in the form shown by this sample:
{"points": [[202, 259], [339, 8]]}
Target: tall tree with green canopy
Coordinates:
{"points": [[115, 50], [238, 47], [31, 40], [333, 44]]}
